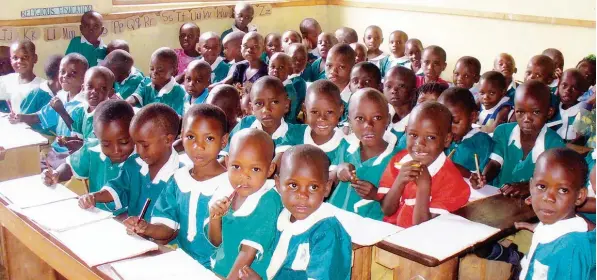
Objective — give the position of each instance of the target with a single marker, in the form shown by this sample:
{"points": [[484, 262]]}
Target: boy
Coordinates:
{"points": [[361, 52], [153, 130], [365, 75], [162, 88], [196, 81], [243, 16], [210, 48], [397, 43], [561, 247], [373, 38], [298, 55], [346, 35], [232, 47], [413, 49], [467, 142], [290, 37], [421, 182], [433, 63], [280, 67], [127, 77], [399, 88], [518, 145], [188, 36], [247, 72], [572, 86], [89, 44], [310, 30], [558, 61], [226, 97], [430, 91], [495, 104], [541, 68], [338, 67], [5, 66], [505, 64], [316, 71], [118, 44], [466, 74], [273, 44]]}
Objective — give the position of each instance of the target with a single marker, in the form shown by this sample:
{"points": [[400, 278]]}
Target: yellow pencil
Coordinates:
{"points": [[477, 165], [451, 153]]}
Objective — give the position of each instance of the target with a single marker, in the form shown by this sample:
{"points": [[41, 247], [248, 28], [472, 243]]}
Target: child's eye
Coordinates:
{"points": [[275, 102], [563, 191], [377, 118], [210, 138], [540, 187], [360, 119], [519, 112], [235, 166], [431, 137], [256, 169], [190, 137], [258, 104], [536, 112], [313, 188], [412, 135], [292, 186], [330, 112]]}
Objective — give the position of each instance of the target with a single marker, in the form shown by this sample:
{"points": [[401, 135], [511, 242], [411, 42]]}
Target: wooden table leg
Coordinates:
{"points": [[361, 264], [475, 268], [21, 263], [20, 162], [405, 269]]}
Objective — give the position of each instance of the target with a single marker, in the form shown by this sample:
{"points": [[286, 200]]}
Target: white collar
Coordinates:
{"points": [[572, 111], [554, 83], [250, 27], [45, 87], [539, 142], [328, 146], [565, 131], [492, 109], [98, 149], [293, 76], [471, 133], [394, 59], [216, 63], [287, 82], [389, 137], [280, 132], [433, 168], [346, 94], [512, 85], [85, 41], [400, 126], [379, 57], [167, 88], [251, 202], [131, 74], [186, 183], [165, 172], [315, 52]]}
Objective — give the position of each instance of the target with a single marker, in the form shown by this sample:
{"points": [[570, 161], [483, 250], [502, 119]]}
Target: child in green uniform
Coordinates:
{"points": [[182, 207], [365, 155], [346, 35], [360, 51], [196, 81], [558, 61], [542, 68], [400, 90], [518, 145], [153, 130], [242, 215], [127, 77], [298, 54], [210, 48], [467, 142], [365, 75], [280, 67], [89, 43], [495, 104], [290, 37], [339, 64], [505, 64], [273, 44], [373, 38], [572, 86], [317, 69], [162, 87], [413, 49], [466, 74], [15, 87], [396, 57], [310, 30]]}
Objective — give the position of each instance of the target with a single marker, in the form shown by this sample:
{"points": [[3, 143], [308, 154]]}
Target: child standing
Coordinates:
{"points": [[89, 44], [373, 38], [433, 63], [247, 72], [316, 71], [399, 88], [232, 47], [413, 49], [572, 86], [280, 67], [310, 30], [505, 64], [467, 72], [209, 44], [396, 57], [127, 77], [495, 104], [421, 182], [273, 44], [197, 79], [188, 37], [243, 16], [338, 68]]}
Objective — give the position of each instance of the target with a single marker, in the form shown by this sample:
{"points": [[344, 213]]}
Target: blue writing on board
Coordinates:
{"points": [[55, 11]]}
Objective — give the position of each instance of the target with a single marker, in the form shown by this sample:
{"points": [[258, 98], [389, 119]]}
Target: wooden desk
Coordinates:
{"points": [[21, 162]]}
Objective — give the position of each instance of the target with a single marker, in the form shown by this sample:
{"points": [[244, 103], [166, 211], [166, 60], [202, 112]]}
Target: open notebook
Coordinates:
{"points": [[364, 231], [30, 191], [64, 215], [485, 191], [443, 236], [18, 135]]}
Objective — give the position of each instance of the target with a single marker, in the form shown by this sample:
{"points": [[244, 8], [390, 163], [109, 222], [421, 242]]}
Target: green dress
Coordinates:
{"points": [[172, 94], [127, 87], [83, 121], [473, 143], [93, 55]]}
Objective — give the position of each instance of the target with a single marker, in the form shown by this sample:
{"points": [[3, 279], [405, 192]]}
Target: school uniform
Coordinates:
{"points": [[182, 206], [284, 137], [188, 102], [317, 247], [36, 100], [300, 86], [488, 116], [306, 73], [448, 193], [250, 27], [511, 91], [390, 61], [344, 196], [172, 94], [377, 60], [128, 86], [239, 73], [313, 73], [409, 65], [13, 91], [133, 186], [265, 58], [83, 121], [475, 142], [331, 147], [219, 69], [295, 106], [507, 151], [253, 224], [563, 121], [563, 250], [49, 119], [94, 55], [398, 128], [345, 95]]}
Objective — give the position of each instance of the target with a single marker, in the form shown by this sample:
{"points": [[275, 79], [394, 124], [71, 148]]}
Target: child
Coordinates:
{"points": [[413, 49], [396, 57], [15, 87], [587, 67], [118, 44], [495, 104], [541, 68], [316, 71], [243, 213], [273, 44], [153, 130], [561, 247], [290, 37], [365, 75], [182, 207], [280, 67], [127, 77], [399, 88], [433, 63], [361, 52], [518, 145], [312, 244], [310, 30], [338, 67], [505, 64], [298, 55], [232, 47], [430, 91], [467, 142], [466, 74], [373, 38], [253, 68], [89, 44], [226, 98], [364, 156], [346, 35], [243, 16], [572, 86], [558, 60], [197, 79], [209, 44], [5, 65], [162, 88], [421, 182], [188, 37]]}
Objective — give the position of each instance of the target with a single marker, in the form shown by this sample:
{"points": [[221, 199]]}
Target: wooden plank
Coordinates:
{"points": [[474, 268], [22, 263], [361, 264], [497, 211], [403, 268], [20, 162]]}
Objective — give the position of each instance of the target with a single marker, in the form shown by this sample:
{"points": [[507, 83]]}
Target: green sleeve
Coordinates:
{"points": [[329, 256], [80, 161], [71, 46], [165, 210], [119, 188], [499, 144], [78, 116], [261, 232]]}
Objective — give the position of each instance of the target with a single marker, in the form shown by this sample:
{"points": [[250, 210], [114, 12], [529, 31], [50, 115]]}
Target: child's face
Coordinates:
{"points": [[413, 52], [203, 139], [369, 121], [531, 114], [232, 50], [397, 44], [587, 69], [299, 60], [231, 107], [252, 49], [5, 66], [289, 38], [273, 44], [91, 28], [243, 17], [322, 114], [569, 89], [115, 139], [196, 81], [425, 139], [359, 78], [210, 49], [311, 34], [188, 37], [462, 121], [427, 96], [361, 54], [433, 65], [398, 91], [97, 88], [152, 147], [337, 68], [302, 187], [71, 75], [245, 105], [490, 94], [22, 60], [269, 107], [249, 167], [324, 43], [372, 39], [464, 75], [505, 65], [160, 71], [538, 72], [279, 68]]}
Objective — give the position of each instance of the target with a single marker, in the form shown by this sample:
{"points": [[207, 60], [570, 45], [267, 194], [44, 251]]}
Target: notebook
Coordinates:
{"points": [[485, 191], [364, 231], [30, 191], [64, 215], [18, 135]]}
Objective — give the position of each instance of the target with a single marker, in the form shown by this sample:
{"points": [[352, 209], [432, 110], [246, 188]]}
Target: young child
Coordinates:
{"points": [[127, 77], [196, 81], [153, 130], [226, 97], [5, 65], [468, 143], [298, 55], [495, 104], [290, 37], [361, 52], [243, 213], [280, 67], [15, 87], [396, 57], [310, 30], [505, 64], [316, 71], [541, 68], [561, 247], [188, 37], [518, 145], [399, 88], [420, 182], [572, 86], [558, 60], [466, 74], [365, 75], [433, 63], [373, 38], [181, 208], [243, 16], [346, 35], [413, 50], [232, 47], [273, 44], [118, 44], [209, 45], [312, 244], [430, 91], [364, 156], [162, 87], [252, 68], [338, 67], [89, 44], [587, 67]]}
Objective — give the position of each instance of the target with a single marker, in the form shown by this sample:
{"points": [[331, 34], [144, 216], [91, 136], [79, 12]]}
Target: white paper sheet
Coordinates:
{"points": [[442, 236], [18, 135], [64, 215], [104, 241], [485, 191], [30, 191], [365, 231], [175, 265]]}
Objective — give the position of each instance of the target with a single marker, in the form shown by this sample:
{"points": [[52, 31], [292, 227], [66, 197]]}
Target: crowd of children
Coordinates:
{"points": [[284, 129]]}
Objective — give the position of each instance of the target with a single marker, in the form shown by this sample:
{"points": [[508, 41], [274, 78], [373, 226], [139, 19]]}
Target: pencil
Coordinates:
{"points": [[451, 153], [145, 206], [477, 165]]}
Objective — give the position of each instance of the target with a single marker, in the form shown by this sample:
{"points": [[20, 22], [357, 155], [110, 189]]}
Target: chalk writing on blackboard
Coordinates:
{"points": [[55, 11]]}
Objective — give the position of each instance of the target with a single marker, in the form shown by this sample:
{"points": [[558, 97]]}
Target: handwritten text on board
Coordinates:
{"points": [[56, 11]]}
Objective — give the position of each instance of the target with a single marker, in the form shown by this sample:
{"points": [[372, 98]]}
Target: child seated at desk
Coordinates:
{"points": [[505, 64], [572, 86], [243, 213], [273, 44], [290, 37], [280, 67], [562, 245], [153, 130], [231, 47], [243, 16], [466, 74], [209, 45], [433, 63], [188, 37], [360, 51], [397, 42], [311, 242], [89, 44], [495, 104], [340, 62], [252, 68], [413, 49], [181, 208], [373, 38], [317, 69], [196, 81], [127, 77], [346, 35], [420, 182], [400, 90], [310, 30]]}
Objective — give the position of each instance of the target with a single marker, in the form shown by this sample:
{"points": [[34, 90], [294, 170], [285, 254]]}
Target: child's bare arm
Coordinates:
{"points": [[245, 257], [89, 200], [132, 100], [520, 189], [214, 227], [421, 211], [408, 173], [588, 206], [492, 170], [178, 147], [463, 171], [502, 117], [61, 174], [29, 119], [160, 233]]}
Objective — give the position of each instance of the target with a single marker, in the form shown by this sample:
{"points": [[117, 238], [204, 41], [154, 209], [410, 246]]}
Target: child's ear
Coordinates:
{"points": [[35, 57], [444, 66], [515, 70], [277, 181], [170, 139], [477, 78], [550, 113], [582, 196], [448, 139], [328, 187], [272, 169], [224, 141]]}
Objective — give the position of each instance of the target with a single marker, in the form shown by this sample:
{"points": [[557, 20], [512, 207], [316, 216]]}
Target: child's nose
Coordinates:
{"points": [[549, 196]]}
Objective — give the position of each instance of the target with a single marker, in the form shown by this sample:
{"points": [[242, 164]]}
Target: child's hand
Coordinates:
{"points": [[247, 273], [476, 181], [308, 44], [220, 208], [14, 118], [527, 226], [409, 172], [346, 172], [134, 225], [424, 179], [365, 189], [49, 177], [557, 73], [87, 201], [2, 153], [515, 190], [73, 145], [528, 201], [56, 103]]}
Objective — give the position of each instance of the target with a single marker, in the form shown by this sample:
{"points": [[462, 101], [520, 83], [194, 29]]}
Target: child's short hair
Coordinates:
{"points": [[369, 94], [119, 44], [307, 153], [233, 36], [439, 50], [103, 71], [345, 50], [374, 27], [436, 111], [350, 34], [326, 88], [307, 23], [551, 52], [471, 61], [408, 75], [192, 25], [536, 89], [414, 41], [590, 59], [495, 78], [209, 35], [268, 82], [76, 58], [254, 35], [161, 115], [52, 66], [295, 47], [570, 160], [113, 110], [207, 111], [402, 34], [583, 84], [432, 87], [458, 96], [544, 61], [199, 65], [272, 35], [266, 139], [283, 56], [241, 6], [167, 54], [119, 59], [23, 44], [92, 13], [369, 68]]}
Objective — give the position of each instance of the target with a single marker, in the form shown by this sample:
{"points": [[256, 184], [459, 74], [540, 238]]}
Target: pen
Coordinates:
{"points": [[477, 165], [145, 206]]}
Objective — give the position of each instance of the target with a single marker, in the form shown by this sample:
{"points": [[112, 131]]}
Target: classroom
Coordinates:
{"points": [[297, 139]]}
